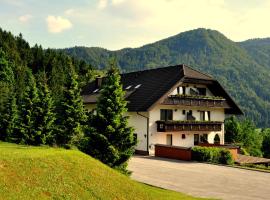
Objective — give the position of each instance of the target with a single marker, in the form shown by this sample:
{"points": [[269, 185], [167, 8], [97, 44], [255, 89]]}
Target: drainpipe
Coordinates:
{"points": [[147, 132]]}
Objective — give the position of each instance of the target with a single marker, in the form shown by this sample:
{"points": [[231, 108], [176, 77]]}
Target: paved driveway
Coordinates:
{"points": [[202, 180]]}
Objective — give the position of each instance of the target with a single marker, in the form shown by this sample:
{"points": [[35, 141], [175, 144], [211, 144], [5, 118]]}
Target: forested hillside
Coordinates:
{"points": [[259, 50], [40, 100], [243, 68]]}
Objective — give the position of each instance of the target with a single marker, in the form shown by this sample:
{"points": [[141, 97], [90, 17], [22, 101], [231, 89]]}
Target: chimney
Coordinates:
{"points": [[98, 82]]}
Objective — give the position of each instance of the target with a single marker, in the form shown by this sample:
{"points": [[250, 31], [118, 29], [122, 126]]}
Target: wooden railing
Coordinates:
{"points": [[195, 101], [171, 126]]}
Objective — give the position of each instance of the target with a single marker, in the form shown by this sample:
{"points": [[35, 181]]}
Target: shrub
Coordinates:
{"points": [[212, 154]]}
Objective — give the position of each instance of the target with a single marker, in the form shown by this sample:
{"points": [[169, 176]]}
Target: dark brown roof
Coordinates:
{"points": [[155, 83]]}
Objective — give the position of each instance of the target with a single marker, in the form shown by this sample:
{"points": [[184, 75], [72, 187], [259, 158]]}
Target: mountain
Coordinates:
{"points": [[243, 68], [259, 50]]}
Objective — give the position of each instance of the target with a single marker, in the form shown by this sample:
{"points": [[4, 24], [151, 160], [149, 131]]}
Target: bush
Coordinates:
{"points": [[212, 154]]}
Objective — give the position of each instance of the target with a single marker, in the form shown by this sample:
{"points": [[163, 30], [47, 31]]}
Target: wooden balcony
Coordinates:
{"points": [[172, 126], [200, 101]]}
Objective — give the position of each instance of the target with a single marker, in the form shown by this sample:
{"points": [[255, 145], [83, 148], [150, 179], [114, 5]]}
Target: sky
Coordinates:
{"points": [[116, 24]]}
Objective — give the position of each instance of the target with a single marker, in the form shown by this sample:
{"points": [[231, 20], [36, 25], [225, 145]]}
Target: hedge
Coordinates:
{"points": [[212, 155]]}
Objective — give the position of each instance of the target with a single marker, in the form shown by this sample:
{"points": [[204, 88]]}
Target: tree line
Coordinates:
{"points": [[243, 132], [41, 103]]}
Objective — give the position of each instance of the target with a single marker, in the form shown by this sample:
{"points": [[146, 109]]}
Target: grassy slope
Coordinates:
{"points": [[51, 173]]}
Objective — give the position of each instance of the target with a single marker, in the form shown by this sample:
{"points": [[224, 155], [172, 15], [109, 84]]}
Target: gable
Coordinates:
{"points": [[144, 89]]}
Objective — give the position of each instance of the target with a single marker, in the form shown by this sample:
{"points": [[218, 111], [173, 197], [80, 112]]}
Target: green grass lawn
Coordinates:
{"points": [[54, 173]]}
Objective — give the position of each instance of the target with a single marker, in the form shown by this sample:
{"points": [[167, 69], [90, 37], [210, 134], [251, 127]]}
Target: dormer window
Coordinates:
{"points": [[137, 86], [128, 87], [96, 90]]}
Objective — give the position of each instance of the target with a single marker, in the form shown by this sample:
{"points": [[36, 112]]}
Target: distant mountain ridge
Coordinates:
{"points": [[243, 67]]}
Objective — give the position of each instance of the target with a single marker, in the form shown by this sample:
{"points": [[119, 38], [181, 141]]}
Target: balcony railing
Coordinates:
{"points": [[192, 100], [172, 126]]}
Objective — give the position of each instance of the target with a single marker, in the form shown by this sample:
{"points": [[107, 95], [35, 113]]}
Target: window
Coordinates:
{"points": [[137, 86], [190, 116], [216, 139], [169, 139], [204, 138], [166, 114], [178, 90], [183, 136], [196, 139], [181, 90], [194, 91], [202, 91], [208, 117], [202, 115], [128, 87], [183, 112], [205, 116]]}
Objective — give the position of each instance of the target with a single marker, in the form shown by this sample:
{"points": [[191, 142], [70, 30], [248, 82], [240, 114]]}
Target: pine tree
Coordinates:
{"points": [[6, 71], [10, 119], [109, 138], [8, 109], [28, 107], [45, 113], [73, 115]]}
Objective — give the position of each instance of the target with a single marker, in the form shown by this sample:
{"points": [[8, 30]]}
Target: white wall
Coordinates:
{"points": [[138, 122], [140, 125], [160, 137]]}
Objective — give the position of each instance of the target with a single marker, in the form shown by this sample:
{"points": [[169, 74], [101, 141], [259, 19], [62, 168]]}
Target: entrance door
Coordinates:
{"points": [[196, 139], [169, 139]]}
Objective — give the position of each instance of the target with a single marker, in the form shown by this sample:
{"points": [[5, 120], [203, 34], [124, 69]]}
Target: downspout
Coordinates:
{"points": [[147, 132]]}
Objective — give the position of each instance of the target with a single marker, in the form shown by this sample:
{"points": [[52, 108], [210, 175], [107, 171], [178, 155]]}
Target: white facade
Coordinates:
{"points": [[160, 137], [146, 127]]}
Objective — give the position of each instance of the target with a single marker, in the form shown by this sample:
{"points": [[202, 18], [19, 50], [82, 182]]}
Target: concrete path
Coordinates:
{"points": [[201, 180]]}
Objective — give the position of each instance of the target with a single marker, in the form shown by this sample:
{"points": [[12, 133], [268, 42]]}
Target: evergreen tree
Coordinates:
{"points": [[109, 138], [8, 107], [73, 115], [6, 71], [45, 113], [10, 120], [28, 107]]}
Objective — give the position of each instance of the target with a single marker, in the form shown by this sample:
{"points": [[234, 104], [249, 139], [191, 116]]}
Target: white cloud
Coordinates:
{"points": [[57, 24], [102, 4], [115, 24], [25, 18]]}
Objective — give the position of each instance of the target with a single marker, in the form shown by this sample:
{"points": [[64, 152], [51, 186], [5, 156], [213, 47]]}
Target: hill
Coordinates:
{"points": [[259, 50], [52, 173], [243, 73]]}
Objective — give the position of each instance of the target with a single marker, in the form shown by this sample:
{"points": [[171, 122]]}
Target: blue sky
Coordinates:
{"points": [[115, 24]]}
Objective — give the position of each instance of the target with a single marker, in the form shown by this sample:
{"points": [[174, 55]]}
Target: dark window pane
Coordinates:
{"points": [[202, 91], [166, 114], [162, 114], [184, 90], [169, 115], [209, 115]]}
